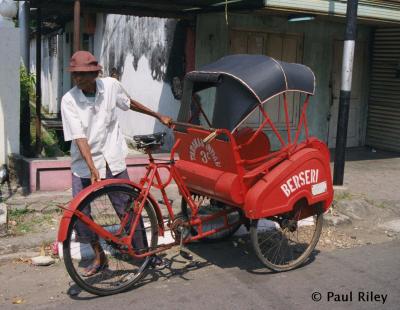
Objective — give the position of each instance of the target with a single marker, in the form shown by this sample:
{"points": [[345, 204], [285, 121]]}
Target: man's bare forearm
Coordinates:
{"points": [[138, 107], [84, 148]]}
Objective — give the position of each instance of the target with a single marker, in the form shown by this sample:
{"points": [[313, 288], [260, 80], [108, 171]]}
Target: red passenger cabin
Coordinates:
{"points": [[222, 159]]}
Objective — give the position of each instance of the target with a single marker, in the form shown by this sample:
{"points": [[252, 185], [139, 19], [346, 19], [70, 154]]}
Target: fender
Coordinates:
{"points": [[267, 198], [74, 203]]}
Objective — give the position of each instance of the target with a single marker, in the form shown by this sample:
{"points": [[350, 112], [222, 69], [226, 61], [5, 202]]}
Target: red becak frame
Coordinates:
{"points": [[231, 183], [232, 166], [235, 179], [151, 179]]}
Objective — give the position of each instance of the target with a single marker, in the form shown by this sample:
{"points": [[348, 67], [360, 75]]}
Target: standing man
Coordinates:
{"points": [[98, 148]]}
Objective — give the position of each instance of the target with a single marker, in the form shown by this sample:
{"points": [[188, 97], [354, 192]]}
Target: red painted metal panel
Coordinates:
{"points": [[217, 154], [306, 174]]}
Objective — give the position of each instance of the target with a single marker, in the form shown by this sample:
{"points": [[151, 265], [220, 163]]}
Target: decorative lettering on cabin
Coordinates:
{"points": [[300, 180], [206, 152]]}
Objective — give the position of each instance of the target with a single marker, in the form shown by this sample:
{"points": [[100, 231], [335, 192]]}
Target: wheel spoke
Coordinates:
{"points": [[108, 207], [287, 246]]}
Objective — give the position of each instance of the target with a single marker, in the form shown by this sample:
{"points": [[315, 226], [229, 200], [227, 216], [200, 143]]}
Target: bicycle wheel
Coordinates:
{"points": [[209, 207], [284, 242], [107, 207]]}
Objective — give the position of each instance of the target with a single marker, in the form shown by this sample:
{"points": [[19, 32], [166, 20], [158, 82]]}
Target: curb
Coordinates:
{"points": [[12, 256], [3, 219], [20, 245], [340, 188]]}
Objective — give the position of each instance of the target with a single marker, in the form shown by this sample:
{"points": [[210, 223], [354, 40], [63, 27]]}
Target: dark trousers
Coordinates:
{"points": [[121, 203]]}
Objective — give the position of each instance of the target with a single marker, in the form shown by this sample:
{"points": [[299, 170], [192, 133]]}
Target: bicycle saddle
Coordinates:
{"points": [[149, 141]]}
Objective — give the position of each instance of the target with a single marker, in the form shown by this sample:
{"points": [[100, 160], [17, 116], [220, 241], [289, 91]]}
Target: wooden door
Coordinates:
{"points": [[285, 47]]}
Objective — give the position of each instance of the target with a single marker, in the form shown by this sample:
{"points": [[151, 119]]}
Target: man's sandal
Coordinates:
{"points": [[93, 269]]}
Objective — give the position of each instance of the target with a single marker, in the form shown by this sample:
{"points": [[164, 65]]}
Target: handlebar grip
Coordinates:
{"points": [[189, 125], [210, 137]]}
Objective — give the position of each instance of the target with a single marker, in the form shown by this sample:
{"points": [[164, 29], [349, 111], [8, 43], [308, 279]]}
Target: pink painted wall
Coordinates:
{"points": [[55, 174]]}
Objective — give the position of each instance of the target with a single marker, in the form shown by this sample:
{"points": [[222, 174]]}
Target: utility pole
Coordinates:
{"points": [[345, 91]]}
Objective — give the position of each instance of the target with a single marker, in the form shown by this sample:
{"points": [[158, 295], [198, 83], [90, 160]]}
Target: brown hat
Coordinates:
{"points": [[83, 61]]}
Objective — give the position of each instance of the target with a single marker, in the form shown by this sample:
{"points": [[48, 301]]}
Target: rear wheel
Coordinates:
{"points": [[284, 242], [107, 207], [209, 207]]}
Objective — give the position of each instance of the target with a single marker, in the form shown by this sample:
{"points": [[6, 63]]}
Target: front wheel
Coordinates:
{"points": [[284, 242], [109, 207]]}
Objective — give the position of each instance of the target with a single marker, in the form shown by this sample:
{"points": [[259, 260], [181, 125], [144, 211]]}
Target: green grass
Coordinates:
{"points": [[381, 205], [17, 213], [28, 221], [342, 195], [52, 146]]}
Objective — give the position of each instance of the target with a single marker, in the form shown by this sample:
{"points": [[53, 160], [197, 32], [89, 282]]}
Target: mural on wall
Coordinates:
{"points": [[145, 54], [156, 39]]}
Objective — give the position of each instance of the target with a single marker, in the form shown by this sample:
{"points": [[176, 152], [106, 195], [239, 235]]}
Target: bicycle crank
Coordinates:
{"points": [[181, 231]]}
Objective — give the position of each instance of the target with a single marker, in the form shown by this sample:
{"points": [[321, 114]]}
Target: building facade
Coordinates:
{"points": [[145, 53]]}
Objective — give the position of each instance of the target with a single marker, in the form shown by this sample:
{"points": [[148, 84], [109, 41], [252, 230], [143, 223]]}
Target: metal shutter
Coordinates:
{"points": [[383, 128]]}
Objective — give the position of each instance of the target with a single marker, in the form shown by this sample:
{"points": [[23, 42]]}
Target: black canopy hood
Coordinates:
{"points": [[263, 76], [243, 82]]}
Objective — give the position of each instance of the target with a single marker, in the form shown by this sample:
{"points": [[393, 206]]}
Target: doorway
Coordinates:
{"points": [[354, 124]]}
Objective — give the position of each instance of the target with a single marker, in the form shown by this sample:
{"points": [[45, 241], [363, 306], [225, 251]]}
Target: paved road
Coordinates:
{"points": [[226, 277]]}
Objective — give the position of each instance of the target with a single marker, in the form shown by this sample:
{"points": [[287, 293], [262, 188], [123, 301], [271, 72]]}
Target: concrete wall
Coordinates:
{"points": [[54, 174], [212, 42], [9, 93]]}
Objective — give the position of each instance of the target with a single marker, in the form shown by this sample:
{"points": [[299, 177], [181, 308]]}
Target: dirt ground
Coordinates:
{"points": [[366, 211], [345, 227], [360, 221]]}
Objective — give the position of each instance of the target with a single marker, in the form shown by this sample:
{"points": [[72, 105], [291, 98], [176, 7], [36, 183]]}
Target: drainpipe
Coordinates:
{"points": [[25, 133], [38, 146], [77, 19], [23, 19], [345, 90]]}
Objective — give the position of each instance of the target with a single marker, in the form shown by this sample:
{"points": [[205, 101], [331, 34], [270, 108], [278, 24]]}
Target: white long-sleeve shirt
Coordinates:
{"points": [[96, 120]]}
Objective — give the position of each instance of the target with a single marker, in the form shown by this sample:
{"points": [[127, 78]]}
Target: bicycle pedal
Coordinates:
{"points": [[186, 255], [157, 262], [161, 201]]}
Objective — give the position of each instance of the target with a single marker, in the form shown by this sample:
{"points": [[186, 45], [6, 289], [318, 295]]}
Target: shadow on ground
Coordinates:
{"points": [[223, 254]]}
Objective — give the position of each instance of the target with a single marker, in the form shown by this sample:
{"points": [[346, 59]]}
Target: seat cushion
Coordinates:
{"points": [[258, 148]]}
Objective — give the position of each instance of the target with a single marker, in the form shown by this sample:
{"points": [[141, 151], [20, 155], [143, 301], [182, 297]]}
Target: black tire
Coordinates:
{"points": [[271, 237], [123, 271], [209, 207]]}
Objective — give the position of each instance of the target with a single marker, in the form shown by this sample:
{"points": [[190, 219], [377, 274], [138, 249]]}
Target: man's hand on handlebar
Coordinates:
{"points": [[166, 120]]}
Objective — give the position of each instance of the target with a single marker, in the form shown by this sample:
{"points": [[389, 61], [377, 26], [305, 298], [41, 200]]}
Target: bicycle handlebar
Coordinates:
{"points": [[174, 124], [211, 136], [207, 139]]}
